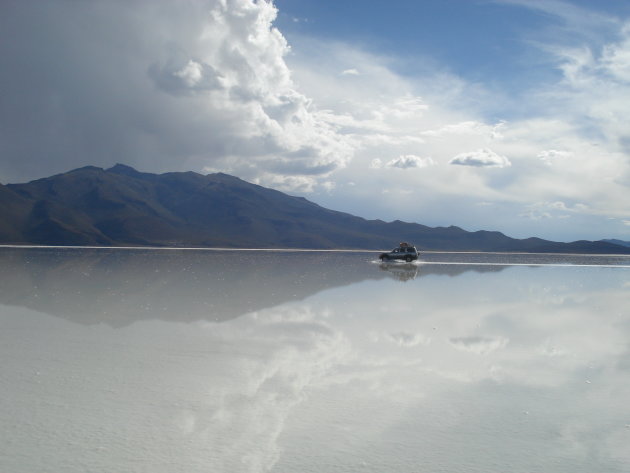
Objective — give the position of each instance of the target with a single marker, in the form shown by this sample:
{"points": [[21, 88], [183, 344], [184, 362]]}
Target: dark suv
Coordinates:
{"points": [[406, 253]]}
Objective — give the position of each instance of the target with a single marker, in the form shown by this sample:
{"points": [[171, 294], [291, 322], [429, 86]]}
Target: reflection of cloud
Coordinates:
{"points": [[478, 345], [288, 350], [352, 366], [550, 349], [406, 339]]}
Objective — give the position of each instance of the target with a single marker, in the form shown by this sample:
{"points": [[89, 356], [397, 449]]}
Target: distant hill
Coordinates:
{"points": [[121, 206], [617, 242]]}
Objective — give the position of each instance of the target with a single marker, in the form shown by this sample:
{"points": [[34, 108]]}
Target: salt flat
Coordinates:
{"points": [[219, 361]]}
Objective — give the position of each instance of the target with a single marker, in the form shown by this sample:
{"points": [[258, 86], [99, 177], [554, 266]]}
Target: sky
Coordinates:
{"points": [[506, 115]]}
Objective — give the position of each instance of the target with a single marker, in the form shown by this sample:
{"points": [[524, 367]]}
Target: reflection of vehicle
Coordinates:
{"points": [[400, 272], [404, 252]]}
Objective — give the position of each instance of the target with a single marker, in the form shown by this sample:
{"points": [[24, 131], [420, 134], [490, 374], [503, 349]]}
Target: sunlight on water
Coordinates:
{"points": [[209, 361]]}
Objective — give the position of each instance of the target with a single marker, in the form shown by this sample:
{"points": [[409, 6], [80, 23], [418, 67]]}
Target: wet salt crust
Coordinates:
{"points": [[197, 361]]}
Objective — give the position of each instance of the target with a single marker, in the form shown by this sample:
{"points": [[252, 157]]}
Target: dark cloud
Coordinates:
{"points": [[159, 85]]}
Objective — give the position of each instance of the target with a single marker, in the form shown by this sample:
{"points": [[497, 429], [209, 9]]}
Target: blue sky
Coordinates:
{"points": [[509, 58], [493, 43], [503, 115], [479, 40]]}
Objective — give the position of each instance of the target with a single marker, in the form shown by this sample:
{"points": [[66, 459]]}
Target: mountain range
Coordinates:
{"points": [[618, 242], [121, 206]]}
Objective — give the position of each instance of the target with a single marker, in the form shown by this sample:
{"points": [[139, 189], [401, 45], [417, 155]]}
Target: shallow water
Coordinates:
{"points": [[210, 361]]}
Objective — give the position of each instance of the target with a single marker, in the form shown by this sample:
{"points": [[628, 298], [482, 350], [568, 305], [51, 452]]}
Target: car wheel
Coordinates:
{"points": [[408, 259]]}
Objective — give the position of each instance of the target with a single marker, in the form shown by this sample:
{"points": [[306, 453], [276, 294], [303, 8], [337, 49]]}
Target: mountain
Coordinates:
{"points": [[617, 242], [121, 206]]}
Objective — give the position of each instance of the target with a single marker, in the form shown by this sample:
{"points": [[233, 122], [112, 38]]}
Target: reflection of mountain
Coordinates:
{"points": [[119, 287], [408, 271]]}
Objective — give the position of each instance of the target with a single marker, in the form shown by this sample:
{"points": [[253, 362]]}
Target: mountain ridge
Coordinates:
{"points": [[121, 206], [617, 242]]}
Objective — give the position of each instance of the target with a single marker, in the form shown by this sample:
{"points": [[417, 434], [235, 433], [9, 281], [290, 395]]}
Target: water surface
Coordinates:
{"points": [[209, 361]]}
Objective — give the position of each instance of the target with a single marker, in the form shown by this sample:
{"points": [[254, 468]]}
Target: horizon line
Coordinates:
{"points": [[303, 250]]}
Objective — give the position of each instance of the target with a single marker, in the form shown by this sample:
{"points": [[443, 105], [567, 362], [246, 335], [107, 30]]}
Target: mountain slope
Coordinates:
{"points": [[13, 211], [617, 242], [121, 206]]}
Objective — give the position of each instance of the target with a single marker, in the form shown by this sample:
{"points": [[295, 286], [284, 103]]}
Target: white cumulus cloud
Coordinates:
{"points": [[409, 161], [213, 85], [158, 85], [481, 158]]}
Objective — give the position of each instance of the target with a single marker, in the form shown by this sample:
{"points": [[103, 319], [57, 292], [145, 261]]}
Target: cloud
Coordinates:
{"points": [[535, 214], [376, 164], [213, 85], [481, 158], [407, 339], [192, 77], [409, 161], [160, 86], [584, 22], [303, 184], [557, 209], [551, 155], [468, 128], [350, 72], [615, 58], [479, 345]]}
